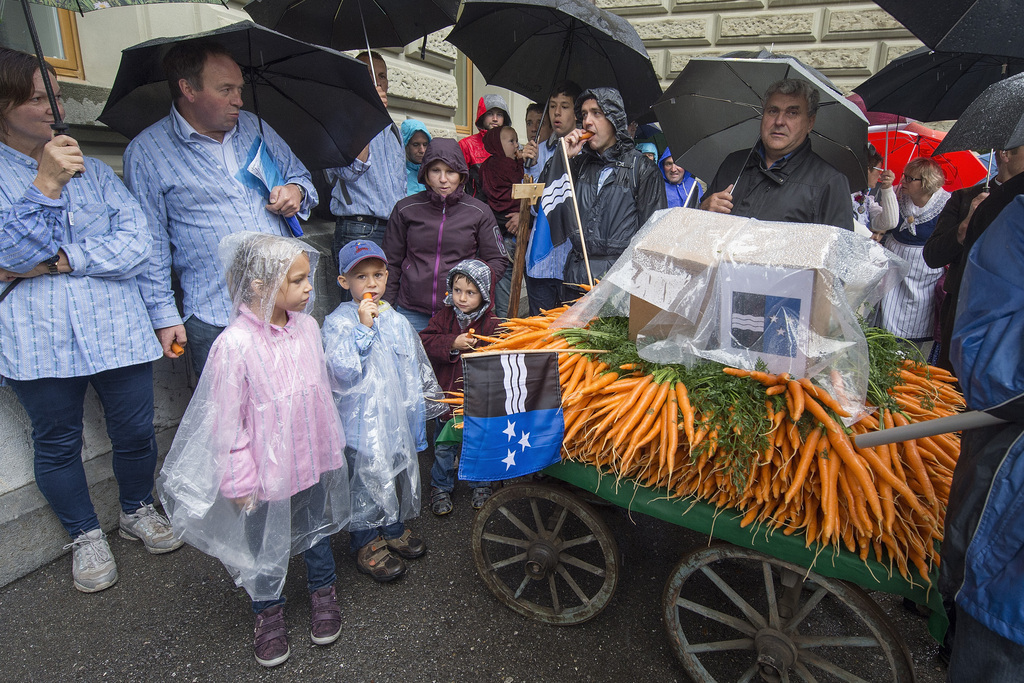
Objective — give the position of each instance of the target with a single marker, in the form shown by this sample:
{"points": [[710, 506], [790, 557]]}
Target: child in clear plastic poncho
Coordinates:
{"points": [[381, 376], [256, 472]]}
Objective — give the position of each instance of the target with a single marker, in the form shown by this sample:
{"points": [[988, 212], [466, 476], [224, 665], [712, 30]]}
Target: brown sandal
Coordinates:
{"points": [[407, 546], [375, 559]]}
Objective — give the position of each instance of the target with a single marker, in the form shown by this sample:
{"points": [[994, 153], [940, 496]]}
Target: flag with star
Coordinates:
{"points": [[513, 422]]}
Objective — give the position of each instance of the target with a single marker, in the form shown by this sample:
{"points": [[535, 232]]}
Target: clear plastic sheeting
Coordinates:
{"points": [[256, 472], [700, 285], [382, 381]]}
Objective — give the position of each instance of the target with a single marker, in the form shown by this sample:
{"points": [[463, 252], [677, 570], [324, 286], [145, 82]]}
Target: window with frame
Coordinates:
{"points": [[58, 35], [464, 82]]}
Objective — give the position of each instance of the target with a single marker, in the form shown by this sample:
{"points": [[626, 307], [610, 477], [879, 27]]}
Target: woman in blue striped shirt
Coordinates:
{"points": [[74, 246]]}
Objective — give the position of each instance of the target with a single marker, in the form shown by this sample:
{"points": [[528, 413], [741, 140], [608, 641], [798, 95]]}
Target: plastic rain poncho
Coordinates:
{"points": [[382, 381], [256, 471]]}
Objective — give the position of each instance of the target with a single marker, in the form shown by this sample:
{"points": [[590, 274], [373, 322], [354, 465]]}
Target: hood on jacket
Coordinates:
{"points": [[661, 162], [647, 148], [489, 102], [479, 274], [446, 150], [492, 141], [610, 102], [409, 128]]}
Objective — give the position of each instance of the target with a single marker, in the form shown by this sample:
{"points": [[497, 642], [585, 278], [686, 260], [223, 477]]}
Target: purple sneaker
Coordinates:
{"points": [[270, 643], [325, 616]]}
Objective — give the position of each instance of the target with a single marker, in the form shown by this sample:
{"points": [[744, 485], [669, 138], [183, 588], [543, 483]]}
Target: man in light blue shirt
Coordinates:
{"points": [[183, 170], [364, 192]]}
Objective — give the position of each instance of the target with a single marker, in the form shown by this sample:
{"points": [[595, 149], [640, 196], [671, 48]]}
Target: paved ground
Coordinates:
{"points": [[177, 617]]}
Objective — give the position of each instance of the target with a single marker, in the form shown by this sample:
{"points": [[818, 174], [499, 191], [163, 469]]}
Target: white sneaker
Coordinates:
{"points": [[150, 527], [93, 566]]}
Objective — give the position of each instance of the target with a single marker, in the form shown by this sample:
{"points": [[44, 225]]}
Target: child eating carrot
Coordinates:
{"points": [[256, 472], [380, 376], [467, 310]]}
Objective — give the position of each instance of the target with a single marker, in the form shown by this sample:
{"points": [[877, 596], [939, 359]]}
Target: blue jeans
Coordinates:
{"points": [[442, 474], [200, 340], [361, 537], [55, 407], [347, 230], [543, 292], [319, 572], [418, 320]]}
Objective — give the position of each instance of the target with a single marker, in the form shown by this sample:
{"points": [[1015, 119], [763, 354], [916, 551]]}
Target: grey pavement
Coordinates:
{"points": [[178, 617]]}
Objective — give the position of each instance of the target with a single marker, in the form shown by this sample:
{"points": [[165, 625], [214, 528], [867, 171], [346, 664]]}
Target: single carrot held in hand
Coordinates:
{"points": [[177, 348], [368, 295]]}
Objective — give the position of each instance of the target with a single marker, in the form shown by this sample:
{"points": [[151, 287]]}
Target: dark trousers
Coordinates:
{"points": [[200, 340], [56, 406]]}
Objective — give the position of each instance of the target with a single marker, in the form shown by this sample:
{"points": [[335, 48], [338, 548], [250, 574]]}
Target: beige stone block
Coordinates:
{"points": [[762, 28], [703, 5], [677, 59], [676, 31], [416, 86], [867, 23], [890, 51], [627, 7], [838, 60], [439, 51]]}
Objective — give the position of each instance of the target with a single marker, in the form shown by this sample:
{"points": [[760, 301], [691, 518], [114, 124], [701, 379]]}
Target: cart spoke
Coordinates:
{"points": [[827, 666], [721, 645], [738, 624], [784, 676], [529, 533], [573, 542], [835, 641], [538, 523], [577, 562], [555, 605], [517, 542], [802, 671], [809, 606], [751, 613], [769, 589], [506, 562], [748, 675], [584, 598], [561, 520], [522, 587]]}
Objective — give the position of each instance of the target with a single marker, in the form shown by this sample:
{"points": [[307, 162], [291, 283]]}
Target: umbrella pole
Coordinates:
{"points": [[692, 192], [59, 126], [576, 210], [366, 37], [988, 177]]}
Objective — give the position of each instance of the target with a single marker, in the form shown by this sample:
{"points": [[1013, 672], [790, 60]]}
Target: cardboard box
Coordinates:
{"points": [[777, 266]]}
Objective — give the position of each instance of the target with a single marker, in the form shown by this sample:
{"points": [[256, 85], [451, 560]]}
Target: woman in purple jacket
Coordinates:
{"points": [[433, 230]]}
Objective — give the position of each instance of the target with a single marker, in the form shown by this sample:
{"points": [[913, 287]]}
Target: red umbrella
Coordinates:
{"points": [[962, 169]]}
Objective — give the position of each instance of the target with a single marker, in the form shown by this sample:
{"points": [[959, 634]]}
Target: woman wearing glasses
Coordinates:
{"points": [[908, 310]]}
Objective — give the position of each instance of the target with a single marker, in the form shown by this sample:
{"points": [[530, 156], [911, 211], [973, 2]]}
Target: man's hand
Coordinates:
{"points": [[719, 202], [573, 142], [961, 230], [513, 222], [285, 200], [529, 153], [167, 335], [61, 160]]}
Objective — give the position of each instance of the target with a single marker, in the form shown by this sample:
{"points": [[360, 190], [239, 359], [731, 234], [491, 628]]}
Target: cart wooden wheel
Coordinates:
{"points": [[734, 614], [545, 554]]}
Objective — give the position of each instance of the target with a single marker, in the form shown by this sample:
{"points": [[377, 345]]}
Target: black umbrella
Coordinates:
{"points": [[352, 24], [320, 101], [993, 121], [713, 108], [80, 6], [934, 86], [989, 27], [529, 45]]}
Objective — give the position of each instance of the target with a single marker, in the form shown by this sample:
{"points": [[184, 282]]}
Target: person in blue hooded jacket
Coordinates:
{"points": [[983, 552], [415, 137], [681, 187]]}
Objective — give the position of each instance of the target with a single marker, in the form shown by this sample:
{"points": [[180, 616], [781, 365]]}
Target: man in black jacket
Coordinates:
{"points": [[781, 178], [617, 187], [945, 247]]}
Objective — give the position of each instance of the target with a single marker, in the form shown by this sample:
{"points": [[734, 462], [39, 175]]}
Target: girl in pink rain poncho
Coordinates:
{"points": [[257, 471]]}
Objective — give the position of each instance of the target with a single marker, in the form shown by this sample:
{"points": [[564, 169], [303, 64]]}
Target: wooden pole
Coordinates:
{"points": [[576, 210], [519, 260]]}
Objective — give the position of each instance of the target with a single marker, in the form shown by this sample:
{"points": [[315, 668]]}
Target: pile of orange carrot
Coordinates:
{"points": [[793, 466]]}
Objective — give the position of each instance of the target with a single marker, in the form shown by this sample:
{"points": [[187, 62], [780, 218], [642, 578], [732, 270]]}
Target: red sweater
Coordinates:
{"points": [[438, 337]]}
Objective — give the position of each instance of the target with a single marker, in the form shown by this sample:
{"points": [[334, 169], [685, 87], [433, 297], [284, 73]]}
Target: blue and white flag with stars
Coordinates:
{"points": [[513, 415]]}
